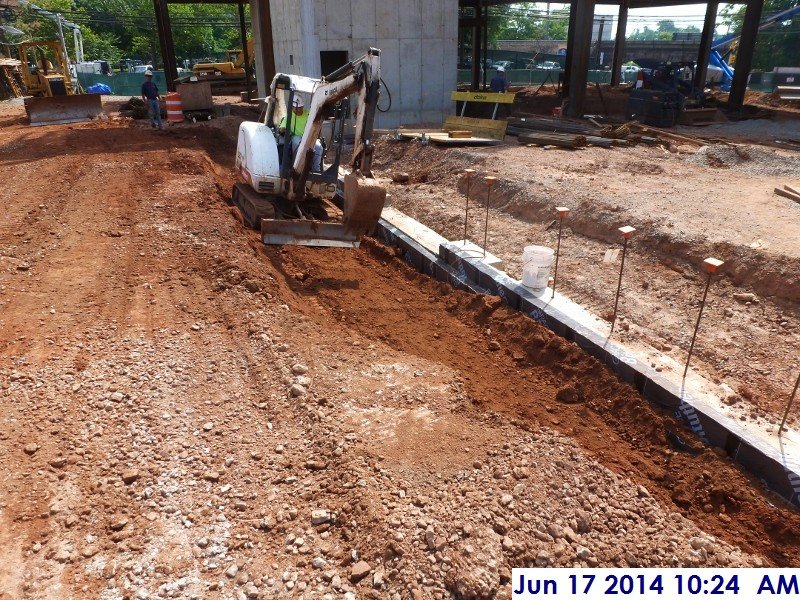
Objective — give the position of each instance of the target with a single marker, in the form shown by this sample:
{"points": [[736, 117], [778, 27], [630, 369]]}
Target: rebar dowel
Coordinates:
{"points": [[466, 206], [619, 284], [489, 181], [486, 225], [558, 251], [789, 406], [697, 324]]}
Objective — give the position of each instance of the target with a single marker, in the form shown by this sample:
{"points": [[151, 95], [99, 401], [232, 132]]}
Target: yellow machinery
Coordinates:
{"points": [[50, 92], [232, 70]]}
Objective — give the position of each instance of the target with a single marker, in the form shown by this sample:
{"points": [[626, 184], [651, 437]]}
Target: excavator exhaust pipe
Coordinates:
{"points": [[54, 110], [363, 204]]}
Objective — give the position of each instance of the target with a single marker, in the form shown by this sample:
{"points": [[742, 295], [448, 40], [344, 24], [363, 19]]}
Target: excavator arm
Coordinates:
{"points": [[361, 76]]}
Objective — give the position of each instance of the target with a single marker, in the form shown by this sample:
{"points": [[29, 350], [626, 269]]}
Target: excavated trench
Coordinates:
{"points": [[514, 367]]}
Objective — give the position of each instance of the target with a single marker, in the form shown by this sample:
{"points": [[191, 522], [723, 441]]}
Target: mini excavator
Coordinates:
{"points": [[287, 194]]}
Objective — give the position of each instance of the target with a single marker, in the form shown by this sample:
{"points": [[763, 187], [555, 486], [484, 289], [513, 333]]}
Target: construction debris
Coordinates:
{"points": [[134, 108]]}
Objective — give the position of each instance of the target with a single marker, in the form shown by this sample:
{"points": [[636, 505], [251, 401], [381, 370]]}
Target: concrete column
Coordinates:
{"points": [[261, 20], [744, 55], [705, 45], [619, 43], [578, 57]]}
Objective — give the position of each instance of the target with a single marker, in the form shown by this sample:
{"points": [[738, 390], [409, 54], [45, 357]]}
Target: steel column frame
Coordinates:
{"points": [[164, 30], [744, 55], [245, 53], [701, 70], [578, 56], [619, 43], [476, 49]]}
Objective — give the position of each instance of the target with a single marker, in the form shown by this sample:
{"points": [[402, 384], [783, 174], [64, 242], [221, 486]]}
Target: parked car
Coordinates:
{"points": [[548, 65], [141, 69], [506, 64]]}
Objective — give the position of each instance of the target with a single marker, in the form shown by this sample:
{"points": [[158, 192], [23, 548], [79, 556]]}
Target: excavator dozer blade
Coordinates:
{"points": [[363, 204], [55, 110]]}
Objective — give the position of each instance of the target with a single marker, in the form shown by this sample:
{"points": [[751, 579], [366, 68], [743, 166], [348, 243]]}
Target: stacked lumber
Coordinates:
{"points": [[10, 80], [562, 140], [552, 125], [591, 135]]}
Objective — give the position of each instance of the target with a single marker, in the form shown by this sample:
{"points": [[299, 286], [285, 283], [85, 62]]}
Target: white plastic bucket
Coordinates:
{"points": [[536, 263]]}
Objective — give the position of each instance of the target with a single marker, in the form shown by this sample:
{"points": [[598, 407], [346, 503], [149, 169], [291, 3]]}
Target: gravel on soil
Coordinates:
{"points": [[151, 444]]}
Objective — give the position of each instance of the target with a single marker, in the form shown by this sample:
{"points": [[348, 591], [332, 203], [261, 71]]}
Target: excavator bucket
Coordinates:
{"points": [[363, 204], [53, 110]]}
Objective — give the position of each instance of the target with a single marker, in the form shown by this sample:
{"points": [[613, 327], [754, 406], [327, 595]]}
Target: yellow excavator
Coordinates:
{"points": [[231, 70], [51, 95]]}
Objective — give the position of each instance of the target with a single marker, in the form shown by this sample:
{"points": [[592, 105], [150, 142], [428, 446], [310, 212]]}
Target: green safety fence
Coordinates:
{"points": [[123, 84], [537, 76]]}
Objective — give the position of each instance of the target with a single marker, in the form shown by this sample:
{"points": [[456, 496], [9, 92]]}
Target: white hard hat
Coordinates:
{"points": [[501, 69], [148, 73], [298, 102]]}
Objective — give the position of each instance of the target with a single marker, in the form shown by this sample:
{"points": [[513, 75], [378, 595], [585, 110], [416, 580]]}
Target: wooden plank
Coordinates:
{"points": [[443, 138], [460, 134], [791, 189], [490, 97], [787, 194], [479, 127]]}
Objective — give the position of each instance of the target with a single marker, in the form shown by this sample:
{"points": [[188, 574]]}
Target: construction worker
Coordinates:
{"points": [[151, 96], [298, 126], [499, 83]]}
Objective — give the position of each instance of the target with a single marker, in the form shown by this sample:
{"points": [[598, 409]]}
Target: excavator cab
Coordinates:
{"points": [[286, 192], [331, 138]]}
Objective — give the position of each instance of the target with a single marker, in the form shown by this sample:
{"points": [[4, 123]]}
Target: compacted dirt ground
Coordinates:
{"points": [[188, 413]]}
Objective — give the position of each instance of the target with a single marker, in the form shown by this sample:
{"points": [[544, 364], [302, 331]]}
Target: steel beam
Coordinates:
{"points": [[245, 52], [476, 50], [701, 70], [619, 43], [744, 55], [573, 11], [164, 30], [578, 57]]}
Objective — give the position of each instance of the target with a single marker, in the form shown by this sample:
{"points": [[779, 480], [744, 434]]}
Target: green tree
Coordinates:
{"points": [[776, 46], [115, 28], [524, 21]]}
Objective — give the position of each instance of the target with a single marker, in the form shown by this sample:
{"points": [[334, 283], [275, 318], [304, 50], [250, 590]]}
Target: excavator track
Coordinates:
{"points": [[252, 206]]}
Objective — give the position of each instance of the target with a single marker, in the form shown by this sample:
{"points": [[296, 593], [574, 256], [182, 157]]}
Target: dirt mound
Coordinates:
{"points": [[747, 159]]}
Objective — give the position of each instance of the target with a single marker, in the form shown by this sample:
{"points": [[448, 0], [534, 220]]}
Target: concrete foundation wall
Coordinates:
{"points": [[418, 41], [287, 36]]}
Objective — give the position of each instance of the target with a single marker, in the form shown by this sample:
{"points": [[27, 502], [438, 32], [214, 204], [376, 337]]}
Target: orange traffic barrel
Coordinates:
{"points": [[174, 109]]}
